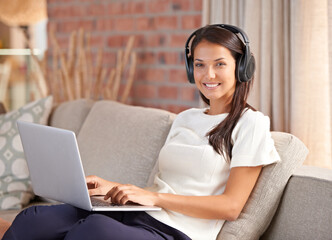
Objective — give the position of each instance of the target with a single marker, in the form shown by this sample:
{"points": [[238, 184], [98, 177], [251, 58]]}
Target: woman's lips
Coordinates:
{"points": [[211, 85]]}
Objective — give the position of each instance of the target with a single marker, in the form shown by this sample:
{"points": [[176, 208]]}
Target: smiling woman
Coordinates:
{"points": [[207, 168], [222, 67]]}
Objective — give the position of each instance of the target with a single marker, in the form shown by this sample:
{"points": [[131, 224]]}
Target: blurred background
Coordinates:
{"points": [[133, 51]]}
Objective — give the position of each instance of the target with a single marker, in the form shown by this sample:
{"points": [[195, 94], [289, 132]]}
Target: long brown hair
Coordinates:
{"points": [[220, 137]]}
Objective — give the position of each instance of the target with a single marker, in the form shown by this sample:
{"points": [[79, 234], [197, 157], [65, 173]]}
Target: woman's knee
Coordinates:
{"points": [[98, 226], [42, 214], [88, 228], [25, 224], [42, 221], [95, 226]]}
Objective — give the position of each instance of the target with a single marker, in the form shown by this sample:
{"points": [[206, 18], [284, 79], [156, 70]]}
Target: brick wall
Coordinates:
{"points": [[161, 28]]}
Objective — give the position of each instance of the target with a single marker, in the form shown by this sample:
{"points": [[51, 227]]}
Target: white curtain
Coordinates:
{"points": [[293, 85]]}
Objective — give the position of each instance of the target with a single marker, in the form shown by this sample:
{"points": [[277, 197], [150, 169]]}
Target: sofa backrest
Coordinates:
{"points": [[71, 115], [117, 142]]}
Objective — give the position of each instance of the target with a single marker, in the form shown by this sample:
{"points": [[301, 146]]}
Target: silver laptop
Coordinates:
{"points": [[56, 169]]}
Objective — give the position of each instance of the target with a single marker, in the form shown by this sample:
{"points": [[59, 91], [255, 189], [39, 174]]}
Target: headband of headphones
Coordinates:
{"points": [[245, 66]]}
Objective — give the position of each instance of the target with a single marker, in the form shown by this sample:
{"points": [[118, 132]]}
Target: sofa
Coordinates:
{"points": [[121, 143]]}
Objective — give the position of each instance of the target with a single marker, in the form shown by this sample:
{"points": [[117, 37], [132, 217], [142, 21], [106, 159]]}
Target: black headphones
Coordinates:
{"points": [[245, 66]]}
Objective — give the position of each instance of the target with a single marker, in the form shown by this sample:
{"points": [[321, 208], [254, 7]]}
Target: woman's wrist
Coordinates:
{"points": [[158, 199]]}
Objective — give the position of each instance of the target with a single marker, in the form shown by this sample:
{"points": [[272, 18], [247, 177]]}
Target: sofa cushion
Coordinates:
{"points": [[121, 143], [71, 115], [263, 201], [305, 209], [15, 186]]}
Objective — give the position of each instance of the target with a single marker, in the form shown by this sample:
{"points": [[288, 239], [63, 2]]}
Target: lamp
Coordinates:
{"points": [[22, 13]]}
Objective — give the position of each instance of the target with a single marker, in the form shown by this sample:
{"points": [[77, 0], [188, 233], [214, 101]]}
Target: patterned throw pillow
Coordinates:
{"points": [[15, 186]]}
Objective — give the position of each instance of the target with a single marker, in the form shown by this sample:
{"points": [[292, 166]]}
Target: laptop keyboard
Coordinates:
{"points": [[101, 203]]}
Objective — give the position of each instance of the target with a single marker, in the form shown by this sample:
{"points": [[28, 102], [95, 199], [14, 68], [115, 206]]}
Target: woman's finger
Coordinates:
{"points": [[117, 193], [94, 191]]}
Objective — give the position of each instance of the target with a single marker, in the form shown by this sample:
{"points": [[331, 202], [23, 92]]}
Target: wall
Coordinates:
{"points": [[161, 28]]}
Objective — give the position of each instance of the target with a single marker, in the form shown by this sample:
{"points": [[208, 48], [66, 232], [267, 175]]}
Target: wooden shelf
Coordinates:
{"points": [[19, 52]]}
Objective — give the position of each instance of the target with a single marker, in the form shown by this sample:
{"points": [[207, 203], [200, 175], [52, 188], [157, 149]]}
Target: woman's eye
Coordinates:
{"points": [[198, 65], [220, 64]]}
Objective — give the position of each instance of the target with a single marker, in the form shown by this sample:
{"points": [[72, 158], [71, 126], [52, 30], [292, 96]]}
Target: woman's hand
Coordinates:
{"points": [[98, 186], [123, 193]]}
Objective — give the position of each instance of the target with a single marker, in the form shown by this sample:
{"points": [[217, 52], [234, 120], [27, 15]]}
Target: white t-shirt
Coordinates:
{"points": [[188, 165]]}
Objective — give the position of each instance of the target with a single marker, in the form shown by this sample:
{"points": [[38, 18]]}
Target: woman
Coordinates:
{"points": [[207, 168]]}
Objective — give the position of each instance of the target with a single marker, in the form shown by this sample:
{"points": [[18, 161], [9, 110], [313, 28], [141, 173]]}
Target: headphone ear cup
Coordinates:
{"points": [[245, 68], [190, 69], [250, 69]]}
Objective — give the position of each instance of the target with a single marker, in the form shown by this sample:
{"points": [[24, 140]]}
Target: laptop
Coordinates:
{"points": [[56, 169]]}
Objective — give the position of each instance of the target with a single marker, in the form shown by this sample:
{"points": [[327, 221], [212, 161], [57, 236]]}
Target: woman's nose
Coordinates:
{"points": [[211, 72]]}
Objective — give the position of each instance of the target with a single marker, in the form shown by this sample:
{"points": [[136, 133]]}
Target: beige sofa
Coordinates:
{"points": [[121, 143]]}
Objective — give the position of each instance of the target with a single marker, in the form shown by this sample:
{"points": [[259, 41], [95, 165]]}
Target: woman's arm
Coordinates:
{"points": [[226, 206]]}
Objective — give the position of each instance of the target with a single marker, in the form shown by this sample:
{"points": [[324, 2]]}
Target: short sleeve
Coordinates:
{"points": [[252, 141]]}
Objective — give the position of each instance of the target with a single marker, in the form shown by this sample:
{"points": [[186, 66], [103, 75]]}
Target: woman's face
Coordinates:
{"points": [[214, 72]]}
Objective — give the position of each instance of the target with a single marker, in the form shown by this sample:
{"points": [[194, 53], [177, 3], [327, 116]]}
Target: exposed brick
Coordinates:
{"points": [[145, 23], [104, 24], [136, 7], [50, 2], [177, 75], [181, 57], [160, 27], [192, 21], [63, 42], [124, 24], [109, 59], [181, 5], [145, 91], [178, 40], [157, 40], [159, 6], [198, 5], [68, 11], [140, 41], [70, 26], [121, 90], [167, 92], [168, 58], [96, 10], [58, 11], [189, 93], [146, 104], [117, 41], [146, 57], [151, 75], [96, 41], [78, 10], [52, 26], [115, 8], [166, 22], [175, 108]]}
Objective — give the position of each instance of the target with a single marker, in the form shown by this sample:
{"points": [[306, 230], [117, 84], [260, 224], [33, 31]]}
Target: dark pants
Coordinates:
{"points": [[67, 222]]}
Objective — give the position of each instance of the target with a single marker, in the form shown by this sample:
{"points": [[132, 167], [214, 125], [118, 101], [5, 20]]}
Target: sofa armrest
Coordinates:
{"points": [[305, 209]]}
